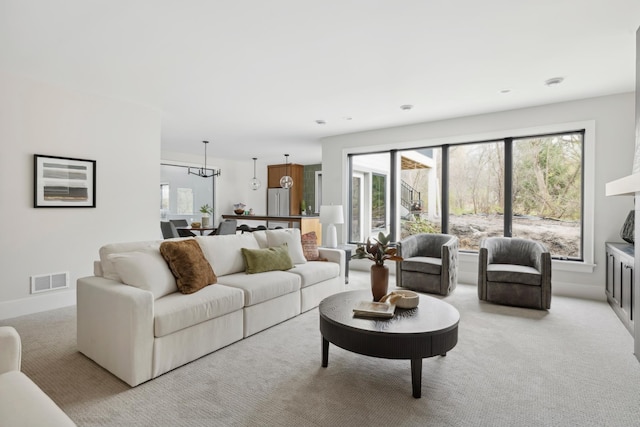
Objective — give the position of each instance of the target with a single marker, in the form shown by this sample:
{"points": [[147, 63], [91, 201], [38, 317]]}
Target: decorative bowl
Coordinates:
{"points": [[195, 224], [409, 299], [239, 211]]}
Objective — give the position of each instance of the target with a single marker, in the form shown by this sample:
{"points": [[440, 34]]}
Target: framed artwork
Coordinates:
{"points": [[63, 182]]}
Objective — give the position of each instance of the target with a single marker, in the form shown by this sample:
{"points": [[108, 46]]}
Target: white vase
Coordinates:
{"points": [[205, 220]]}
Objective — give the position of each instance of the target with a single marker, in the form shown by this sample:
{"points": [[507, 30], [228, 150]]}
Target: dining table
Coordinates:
{"points": [[200, 229]]}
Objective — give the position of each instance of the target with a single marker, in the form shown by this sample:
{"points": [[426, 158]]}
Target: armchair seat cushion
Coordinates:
{"points": [[513, 273], [179, 311], [422, 264]]}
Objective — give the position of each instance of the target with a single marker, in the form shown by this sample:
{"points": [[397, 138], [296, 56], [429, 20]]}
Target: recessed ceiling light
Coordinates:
{"points": [[321, 122], [406, 107], [348, 118], [554, 81], [505, 91]]}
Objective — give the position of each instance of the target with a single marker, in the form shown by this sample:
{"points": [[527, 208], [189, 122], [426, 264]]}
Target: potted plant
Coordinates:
{"points": [[206, 211], [379, 251]]}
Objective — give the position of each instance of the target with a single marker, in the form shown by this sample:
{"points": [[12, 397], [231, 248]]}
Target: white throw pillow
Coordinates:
{"points": [[145, 270], [261, 238], [223, 252], [108, 269], [290, 236]]}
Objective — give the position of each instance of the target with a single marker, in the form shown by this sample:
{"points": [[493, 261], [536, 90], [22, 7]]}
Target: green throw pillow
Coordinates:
{"points": [[269, 259]]}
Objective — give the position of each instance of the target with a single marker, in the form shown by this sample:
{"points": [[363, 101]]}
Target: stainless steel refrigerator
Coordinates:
{"points": [[277, 205]]}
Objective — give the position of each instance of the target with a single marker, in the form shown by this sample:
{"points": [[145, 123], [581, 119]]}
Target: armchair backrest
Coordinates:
{"points": [[508, 250], [227, 227], [424, 244]]}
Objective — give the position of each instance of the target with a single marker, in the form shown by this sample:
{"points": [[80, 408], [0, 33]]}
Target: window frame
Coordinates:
{"points": [[587, 128]]}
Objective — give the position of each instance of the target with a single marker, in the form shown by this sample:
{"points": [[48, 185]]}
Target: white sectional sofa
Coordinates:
{"points": [[132, 322], [22, 403]]}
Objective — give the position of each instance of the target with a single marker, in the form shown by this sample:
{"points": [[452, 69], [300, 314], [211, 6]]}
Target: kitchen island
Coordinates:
{"points": [[303, 222]]}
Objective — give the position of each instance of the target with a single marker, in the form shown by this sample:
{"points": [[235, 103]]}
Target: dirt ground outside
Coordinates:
{"points": [[562, 238]]}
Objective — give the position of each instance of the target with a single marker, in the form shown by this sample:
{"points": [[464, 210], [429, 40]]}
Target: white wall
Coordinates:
{"points": [[613, 117], [232, 186], [124, 139]]}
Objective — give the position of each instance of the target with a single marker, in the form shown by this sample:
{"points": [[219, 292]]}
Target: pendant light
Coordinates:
{"points": [[254, 183], [286, 181], [204, 172]]}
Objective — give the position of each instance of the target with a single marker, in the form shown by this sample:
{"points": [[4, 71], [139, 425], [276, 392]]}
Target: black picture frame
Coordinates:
{"points": [[63, 182]]}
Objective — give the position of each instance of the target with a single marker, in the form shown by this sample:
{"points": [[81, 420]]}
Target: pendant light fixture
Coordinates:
{"points": [[254, 183], [204, 172], [286, 181]]}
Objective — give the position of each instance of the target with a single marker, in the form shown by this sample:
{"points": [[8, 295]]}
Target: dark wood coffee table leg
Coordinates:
{"points": [[416, 377], [325, 353]]}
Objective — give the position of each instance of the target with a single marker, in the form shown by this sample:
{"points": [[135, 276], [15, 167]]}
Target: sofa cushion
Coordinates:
{"points": [[290, 236], [315, 272], [269, 259], [264, 286], [188, 264], [513, 273], [145, 270], [261, 238], [223, 252], [176, 311], [422, 264], [108, 269]]}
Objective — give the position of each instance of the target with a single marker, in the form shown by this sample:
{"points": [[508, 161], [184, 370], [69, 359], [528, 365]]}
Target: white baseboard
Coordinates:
{"points": [[37, 303]]}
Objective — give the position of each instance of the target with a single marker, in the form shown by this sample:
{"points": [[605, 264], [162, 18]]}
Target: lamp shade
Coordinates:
{"points": [[331, 214]]}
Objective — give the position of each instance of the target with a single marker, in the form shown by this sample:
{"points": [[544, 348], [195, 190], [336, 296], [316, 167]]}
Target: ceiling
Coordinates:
{"points": [[253, 76]]}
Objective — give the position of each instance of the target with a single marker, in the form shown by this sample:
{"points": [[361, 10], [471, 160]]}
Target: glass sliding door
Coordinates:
{"points": [[370, 189]]}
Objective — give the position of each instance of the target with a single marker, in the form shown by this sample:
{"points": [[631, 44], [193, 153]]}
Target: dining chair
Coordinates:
{"points": [[182, 223], [169, 230], [227, 227]]}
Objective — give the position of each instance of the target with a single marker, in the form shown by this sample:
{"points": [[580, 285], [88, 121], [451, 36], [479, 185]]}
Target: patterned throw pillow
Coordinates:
{"points": [[310, 246], [188, 264]]}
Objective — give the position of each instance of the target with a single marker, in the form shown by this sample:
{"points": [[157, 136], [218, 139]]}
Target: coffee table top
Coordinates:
{"points": [[431, 315]]}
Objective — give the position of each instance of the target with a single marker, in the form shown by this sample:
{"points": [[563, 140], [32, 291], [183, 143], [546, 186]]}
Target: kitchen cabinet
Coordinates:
{"points": [[295, 171]]}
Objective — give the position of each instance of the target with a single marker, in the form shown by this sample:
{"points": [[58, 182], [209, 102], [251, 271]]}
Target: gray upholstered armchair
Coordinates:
{"points": [[514, 272], [430, 263]]}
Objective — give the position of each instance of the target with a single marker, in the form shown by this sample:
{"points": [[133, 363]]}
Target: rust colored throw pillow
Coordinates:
{"points": [[310, 246], [188, 264]]}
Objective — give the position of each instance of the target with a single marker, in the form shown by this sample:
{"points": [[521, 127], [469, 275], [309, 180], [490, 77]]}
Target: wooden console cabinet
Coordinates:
{"points": [[619, 283]]}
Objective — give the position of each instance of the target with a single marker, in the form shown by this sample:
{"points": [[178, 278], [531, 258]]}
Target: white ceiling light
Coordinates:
{"points": [[406, 107], [554, 81], [321, 122], [254, 183]]}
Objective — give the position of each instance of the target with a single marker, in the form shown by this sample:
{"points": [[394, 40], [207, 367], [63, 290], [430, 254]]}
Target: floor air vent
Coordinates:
{"points": [[49, 282]]}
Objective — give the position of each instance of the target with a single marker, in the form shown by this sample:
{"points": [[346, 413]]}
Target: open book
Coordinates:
{"points": [[374, 309]]}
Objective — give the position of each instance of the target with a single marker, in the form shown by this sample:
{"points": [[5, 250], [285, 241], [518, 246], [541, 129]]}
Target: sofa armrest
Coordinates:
{"points": [[10, 349], [115, 327], [335, 255]]}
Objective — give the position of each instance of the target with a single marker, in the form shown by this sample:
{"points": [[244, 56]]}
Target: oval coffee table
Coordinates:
{"points": [[428, 330]]}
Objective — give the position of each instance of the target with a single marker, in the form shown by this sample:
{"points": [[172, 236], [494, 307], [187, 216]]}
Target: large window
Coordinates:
{"points": [[529, 187]]}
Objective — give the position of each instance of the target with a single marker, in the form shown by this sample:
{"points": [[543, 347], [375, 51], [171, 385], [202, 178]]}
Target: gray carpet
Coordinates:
{"points": [[572, 366]]}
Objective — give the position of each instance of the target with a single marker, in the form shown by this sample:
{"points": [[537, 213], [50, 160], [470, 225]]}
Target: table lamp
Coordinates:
{"points": [[331, 215]]}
